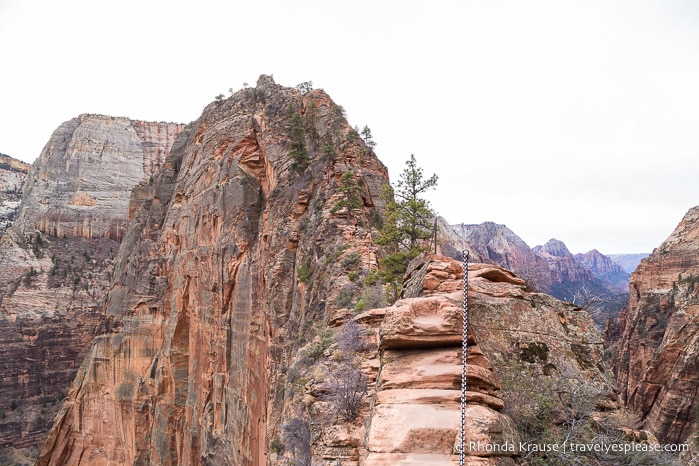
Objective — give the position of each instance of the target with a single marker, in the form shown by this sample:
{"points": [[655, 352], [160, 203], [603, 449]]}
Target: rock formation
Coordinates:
{"points": [[656, 338], [80, 184], [412, 413], [604, 269], [232, 254], [590, 280], [536, 346], [510, 322], [12, 175], [56, 263]]}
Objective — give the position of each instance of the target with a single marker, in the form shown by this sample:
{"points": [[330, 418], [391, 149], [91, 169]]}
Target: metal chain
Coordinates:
{"points": [[464, 351]]}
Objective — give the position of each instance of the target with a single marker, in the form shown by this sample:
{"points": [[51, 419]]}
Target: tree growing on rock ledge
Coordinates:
{"points": [[406, 224]]}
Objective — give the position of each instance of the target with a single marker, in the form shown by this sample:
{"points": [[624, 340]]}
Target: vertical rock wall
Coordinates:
{"points": [[81, 182], [656, 338], [206, 296], [56, 263]]}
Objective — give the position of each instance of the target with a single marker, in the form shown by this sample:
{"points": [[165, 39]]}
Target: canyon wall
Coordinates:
{"points": [[207, 300], [56, 262], [656, 337], [13, 173], [80, 184]]}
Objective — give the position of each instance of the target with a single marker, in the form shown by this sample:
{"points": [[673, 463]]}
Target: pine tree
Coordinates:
{"points": [[351, 194], [297, 141], [407, 223], [368, 137]]}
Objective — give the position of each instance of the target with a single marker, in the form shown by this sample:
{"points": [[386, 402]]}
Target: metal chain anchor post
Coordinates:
{"points": [[464, 350]]}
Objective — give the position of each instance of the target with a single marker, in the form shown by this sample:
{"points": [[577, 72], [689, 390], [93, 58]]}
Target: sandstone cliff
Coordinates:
{"points": [[233, 253], [411, 355], [80, 184], [656, 338], [52, 287], [12, 175]]}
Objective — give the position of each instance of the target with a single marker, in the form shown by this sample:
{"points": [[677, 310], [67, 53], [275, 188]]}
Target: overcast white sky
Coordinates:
{"points": [[574, 120]]}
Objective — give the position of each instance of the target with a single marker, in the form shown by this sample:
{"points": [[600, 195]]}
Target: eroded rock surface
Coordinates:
{"points": [[56, 262], [233, 252], [413, 363], [13, 173], [81, 182], [656, 338]]}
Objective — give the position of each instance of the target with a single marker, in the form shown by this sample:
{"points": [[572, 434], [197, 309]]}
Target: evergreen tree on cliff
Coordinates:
{"points": [[406, 224]]}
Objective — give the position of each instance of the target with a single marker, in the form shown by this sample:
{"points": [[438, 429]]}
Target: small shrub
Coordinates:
{"points": [[304, 272], [345, 298], [296, 439], [373, 297], [276, 445], [351, 260], [347, 387], [335, 254]]}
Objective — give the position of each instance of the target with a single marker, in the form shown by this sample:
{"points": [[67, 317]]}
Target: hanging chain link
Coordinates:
{"points": [[464, 352]]}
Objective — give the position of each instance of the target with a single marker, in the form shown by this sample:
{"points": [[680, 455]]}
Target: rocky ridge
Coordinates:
{"points": [[585, 279], [413, 365], [656, 337], [412, 359], [56, 263], [233, 253]]}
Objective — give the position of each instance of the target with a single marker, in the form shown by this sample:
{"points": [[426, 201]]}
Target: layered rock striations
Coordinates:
{"points": [[412, 360], [512, 323], [12, 176], [656, 338], [80, 184], [56, 262], [233, 253]]}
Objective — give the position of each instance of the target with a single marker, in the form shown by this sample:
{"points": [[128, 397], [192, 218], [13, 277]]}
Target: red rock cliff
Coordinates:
{"points": [[56, 263], [206, 299], [657, 336]]}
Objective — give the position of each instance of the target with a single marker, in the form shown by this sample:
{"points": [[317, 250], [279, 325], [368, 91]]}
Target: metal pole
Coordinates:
{"points": [[464, 349], [435, 236]]}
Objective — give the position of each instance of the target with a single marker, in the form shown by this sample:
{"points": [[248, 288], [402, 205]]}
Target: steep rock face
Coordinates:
{"points": [[657, 336], [79, 185], [52, 288], [413, 363], [208, 298], [563, 269], [512, 323], [497, 244], [12, 175]]}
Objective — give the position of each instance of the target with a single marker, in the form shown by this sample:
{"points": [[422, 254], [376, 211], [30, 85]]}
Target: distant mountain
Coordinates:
{"points": [[628, 262], [605, 268], [591, 280]]}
